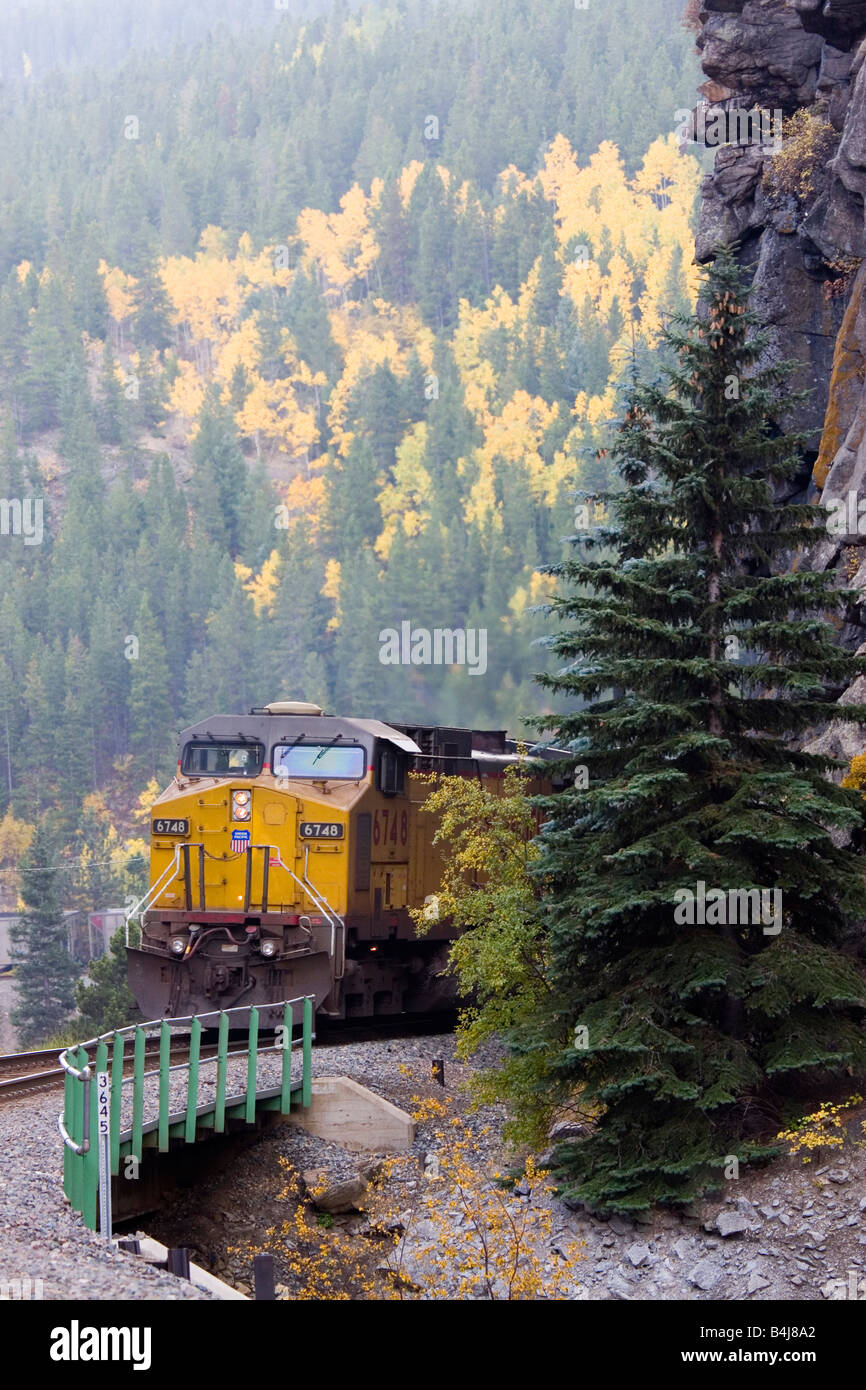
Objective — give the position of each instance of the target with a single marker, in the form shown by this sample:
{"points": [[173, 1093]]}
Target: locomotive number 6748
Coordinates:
{"points": [[321, 830]]}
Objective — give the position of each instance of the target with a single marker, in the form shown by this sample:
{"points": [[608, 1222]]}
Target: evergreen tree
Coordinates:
{"points": [[152, 311], [151, 386], [452, 434], [110, 410], [14, 328], [432, 210], [109, 677], [11, 463], [228, 674], [699, 654], [299, 620], [307, 318], [88, 292], [353, 516], [104, 1001], [45, 972], [219, 476], [48, 349], [360, 678], [314, 681], [150, 713], [76, 770], [394, 235], [40, 782], [546, 301], [256, 517], [11, 723], [470, 270]]}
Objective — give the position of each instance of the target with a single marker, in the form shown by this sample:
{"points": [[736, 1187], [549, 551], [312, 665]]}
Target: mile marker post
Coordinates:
{"points": [[103, 1116]]}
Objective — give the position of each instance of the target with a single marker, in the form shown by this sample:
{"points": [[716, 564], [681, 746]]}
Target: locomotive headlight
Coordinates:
{"points": [[269, 948], [241, 806], [177, 946]]}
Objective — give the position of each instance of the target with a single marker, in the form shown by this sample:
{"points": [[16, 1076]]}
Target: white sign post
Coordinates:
{"points": [[103, 1115]]}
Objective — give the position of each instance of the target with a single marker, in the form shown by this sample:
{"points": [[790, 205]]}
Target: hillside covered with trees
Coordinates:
{"points": [[310, 324]]}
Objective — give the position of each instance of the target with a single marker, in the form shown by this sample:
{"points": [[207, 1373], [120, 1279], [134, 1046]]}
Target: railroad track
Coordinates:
{"points": [[21, 1063], [24, 1073], [27, 1073]]}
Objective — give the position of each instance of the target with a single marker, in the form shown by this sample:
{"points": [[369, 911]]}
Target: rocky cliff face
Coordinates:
{"points": [[796, 206]]}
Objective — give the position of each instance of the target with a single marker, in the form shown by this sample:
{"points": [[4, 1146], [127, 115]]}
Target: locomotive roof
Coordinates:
{"points": [[283, 728], [486, 745]]}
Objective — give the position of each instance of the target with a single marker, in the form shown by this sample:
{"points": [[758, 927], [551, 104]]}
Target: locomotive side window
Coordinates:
{"points": [[391, 771], [222, 759], [321, 760]]}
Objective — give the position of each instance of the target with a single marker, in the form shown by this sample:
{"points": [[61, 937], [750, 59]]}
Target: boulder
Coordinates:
{"points": [[335, 1198], [730, 1223], [705, 1275], [564, 1130]]}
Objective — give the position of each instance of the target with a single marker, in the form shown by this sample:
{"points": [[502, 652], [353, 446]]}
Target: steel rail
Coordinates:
{"points": [[30, 1083]]}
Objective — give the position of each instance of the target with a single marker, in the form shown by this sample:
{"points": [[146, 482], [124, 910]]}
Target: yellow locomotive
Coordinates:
{"points": [[285, 857]]}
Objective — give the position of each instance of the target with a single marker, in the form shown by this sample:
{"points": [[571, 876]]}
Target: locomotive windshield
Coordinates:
{"points": [[319, 760], [223, 759]]}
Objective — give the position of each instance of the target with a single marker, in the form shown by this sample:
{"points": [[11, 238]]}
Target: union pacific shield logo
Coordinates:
{"points": [[240, 840]]}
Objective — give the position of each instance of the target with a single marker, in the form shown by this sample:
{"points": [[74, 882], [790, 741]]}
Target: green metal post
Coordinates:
{"points": [[137, 1093], [307, 1089], [219, 1117], [116, 1100], [192, 1080], [286, 1076], [164, 1084], [252, 1066]]}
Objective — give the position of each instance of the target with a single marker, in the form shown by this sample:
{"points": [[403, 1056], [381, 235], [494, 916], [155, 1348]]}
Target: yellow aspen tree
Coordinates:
{"points": [[331, 590], [119, 289], [261, 587], [405, 501]]}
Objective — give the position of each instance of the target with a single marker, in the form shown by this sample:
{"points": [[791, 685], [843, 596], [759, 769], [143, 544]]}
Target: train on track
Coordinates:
{"points": [[285, 858]]}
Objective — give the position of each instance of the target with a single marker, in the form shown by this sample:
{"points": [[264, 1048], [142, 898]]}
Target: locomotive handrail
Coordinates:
{"points": [[152, 890], [333, 917]]}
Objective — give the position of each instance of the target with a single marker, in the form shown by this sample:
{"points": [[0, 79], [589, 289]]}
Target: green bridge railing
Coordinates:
{"points": [[89, 1122]]}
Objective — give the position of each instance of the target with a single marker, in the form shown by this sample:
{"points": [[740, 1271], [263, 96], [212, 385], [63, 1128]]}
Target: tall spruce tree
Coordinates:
{"points": [[699, 652], [45, 973]]}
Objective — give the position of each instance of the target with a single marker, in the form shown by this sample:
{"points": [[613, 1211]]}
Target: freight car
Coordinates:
{"points": [[286, 855]]}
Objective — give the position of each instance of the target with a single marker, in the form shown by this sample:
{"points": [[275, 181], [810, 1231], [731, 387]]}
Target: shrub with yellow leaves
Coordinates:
{"points": [[462, 1229], [472, 1232], [856, 775], [808, 141], [820, 1130]]}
